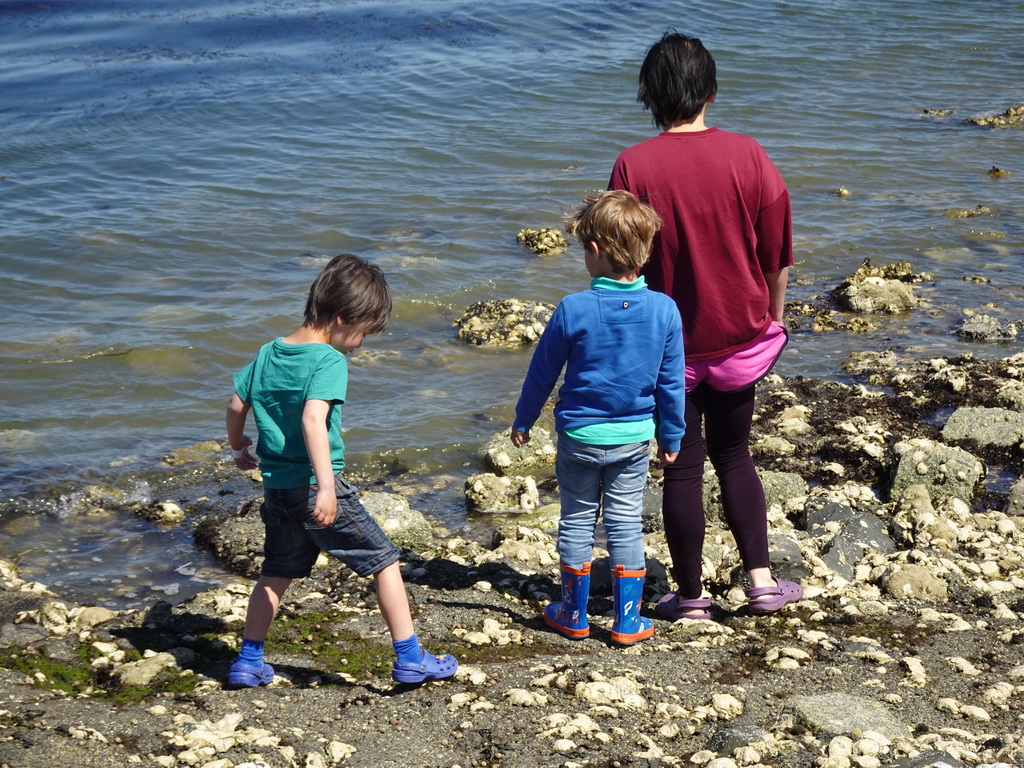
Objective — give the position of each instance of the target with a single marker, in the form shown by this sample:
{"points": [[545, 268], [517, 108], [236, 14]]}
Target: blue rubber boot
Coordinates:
{"points": [[569, 617], [629, 626]]}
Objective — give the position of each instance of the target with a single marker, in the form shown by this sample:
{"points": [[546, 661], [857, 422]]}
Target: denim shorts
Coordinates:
{"points": [[294, 540]]}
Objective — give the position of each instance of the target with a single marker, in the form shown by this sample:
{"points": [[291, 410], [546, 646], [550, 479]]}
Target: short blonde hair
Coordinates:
{"points": [[621, 225]]}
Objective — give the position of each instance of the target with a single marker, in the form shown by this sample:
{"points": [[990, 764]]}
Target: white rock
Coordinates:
{"points": [[747, 755], [460, 700], [948, 704], [918, 676], [963, 665], [84, 733], [520, 697], [840, 746], [726, 706], [866, 747], [998, 695], [339, 750], [472, 675], [564, 745], [975, 713]]}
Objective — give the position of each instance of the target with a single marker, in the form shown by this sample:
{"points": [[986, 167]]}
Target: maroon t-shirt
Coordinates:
{"points": [[727, 223]]}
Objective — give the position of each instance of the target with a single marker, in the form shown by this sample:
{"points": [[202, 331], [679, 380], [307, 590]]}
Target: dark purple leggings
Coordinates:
{"points": [[727, 417]]}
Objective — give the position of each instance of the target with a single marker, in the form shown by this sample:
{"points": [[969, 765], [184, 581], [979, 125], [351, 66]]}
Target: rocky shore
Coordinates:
{"points": [[892, 500]]}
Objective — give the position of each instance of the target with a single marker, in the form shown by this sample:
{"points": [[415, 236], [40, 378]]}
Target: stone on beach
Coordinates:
{"points": [[880, 290], [406, 527], [508, 323], [836, 714], [875, 295], [544, 241], [985, 426], [486, 492], [942, 469], [987, 328], [536, 457]]}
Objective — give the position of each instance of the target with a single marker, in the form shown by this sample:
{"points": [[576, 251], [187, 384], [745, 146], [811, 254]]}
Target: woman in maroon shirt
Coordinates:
{"points": [[723, 254]]}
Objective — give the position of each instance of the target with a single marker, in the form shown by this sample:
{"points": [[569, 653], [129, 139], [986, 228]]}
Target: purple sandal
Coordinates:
{"points": [[765, 600], [671, 606]]}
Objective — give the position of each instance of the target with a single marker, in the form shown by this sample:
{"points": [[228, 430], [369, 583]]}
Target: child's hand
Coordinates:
{"points": [[519, 438], [326, 507], [667, 457], [244, 459]]}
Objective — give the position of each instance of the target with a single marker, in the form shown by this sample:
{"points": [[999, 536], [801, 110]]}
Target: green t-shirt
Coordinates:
{"points": [[277, 385], [615, 432]]}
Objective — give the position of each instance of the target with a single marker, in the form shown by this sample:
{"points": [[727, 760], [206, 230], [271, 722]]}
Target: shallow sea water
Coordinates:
{"points": [[173, 175]]}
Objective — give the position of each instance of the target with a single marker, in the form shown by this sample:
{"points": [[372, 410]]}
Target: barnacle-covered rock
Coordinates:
{"points": [[504, 322], [943, 470], [879, 289], [536, 458], [987, 328], [1008, 117], [489, 492], [543, 242], [969, 213]]}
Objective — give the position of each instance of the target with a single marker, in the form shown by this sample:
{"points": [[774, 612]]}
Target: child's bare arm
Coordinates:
{"points": [[318, 447], [238, 409]]}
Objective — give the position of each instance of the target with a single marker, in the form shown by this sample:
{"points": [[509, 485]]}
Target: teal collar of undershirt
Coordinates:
{"points": [[618, 285]]}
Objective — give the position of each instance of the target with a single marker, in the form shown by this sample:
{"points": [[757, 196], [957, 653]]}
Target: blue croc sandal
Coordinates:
{"points": [[430, 667], [242, 675]]}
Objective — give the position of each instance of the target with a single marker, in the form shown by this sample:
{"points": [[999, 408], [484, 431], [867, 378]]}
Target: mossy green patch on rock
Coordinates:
{"points": [[340, 650], [78, 677]]}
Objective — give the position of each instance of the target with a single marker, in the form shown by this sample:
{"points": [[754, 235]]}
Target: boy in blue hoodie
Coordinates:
{"points": [[622, 350]]}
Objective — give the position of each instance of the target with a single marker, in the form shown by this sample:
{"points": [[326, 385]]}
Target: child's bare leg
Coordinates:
{"points": [[412, 664], [394, 602], [249, 669], [263, 604]]}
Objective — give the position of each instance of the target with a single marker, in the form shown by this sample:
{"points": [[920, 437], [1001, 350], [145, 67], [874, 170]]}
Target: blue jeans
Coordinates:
{"points": [[294, 540], [605, 479]]}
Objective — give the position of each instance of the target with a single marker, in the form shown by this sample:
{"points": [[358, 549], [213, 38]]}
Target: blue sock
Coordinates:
{"points": [[251, 653], [408, 650]]}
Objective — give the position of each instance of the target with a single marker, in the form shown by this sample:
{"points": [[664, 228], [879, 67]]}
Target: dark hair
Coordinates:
{"points": [[676, 79], [622, 226], [352, 289]]}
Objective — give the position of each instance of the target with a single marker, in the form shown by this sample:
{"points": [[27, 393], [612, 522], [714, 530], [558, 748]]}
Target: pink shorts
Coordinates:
{"points": [[742, 368]]}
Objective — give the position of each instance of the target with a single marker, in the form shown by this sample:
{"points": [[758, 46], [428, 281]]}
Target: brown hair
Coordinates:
{"points": [[352, 289], [621, 225]]}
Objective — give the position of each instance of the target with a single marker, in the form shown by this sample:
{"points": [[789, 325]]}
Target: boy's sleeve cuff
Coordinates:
{"points": [[671, 446]]}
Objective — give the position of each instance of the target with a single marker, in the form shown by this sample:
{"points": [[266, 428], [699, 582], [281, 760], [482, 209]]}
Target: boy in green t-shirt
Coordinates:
{"points": [[295, 388]]}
